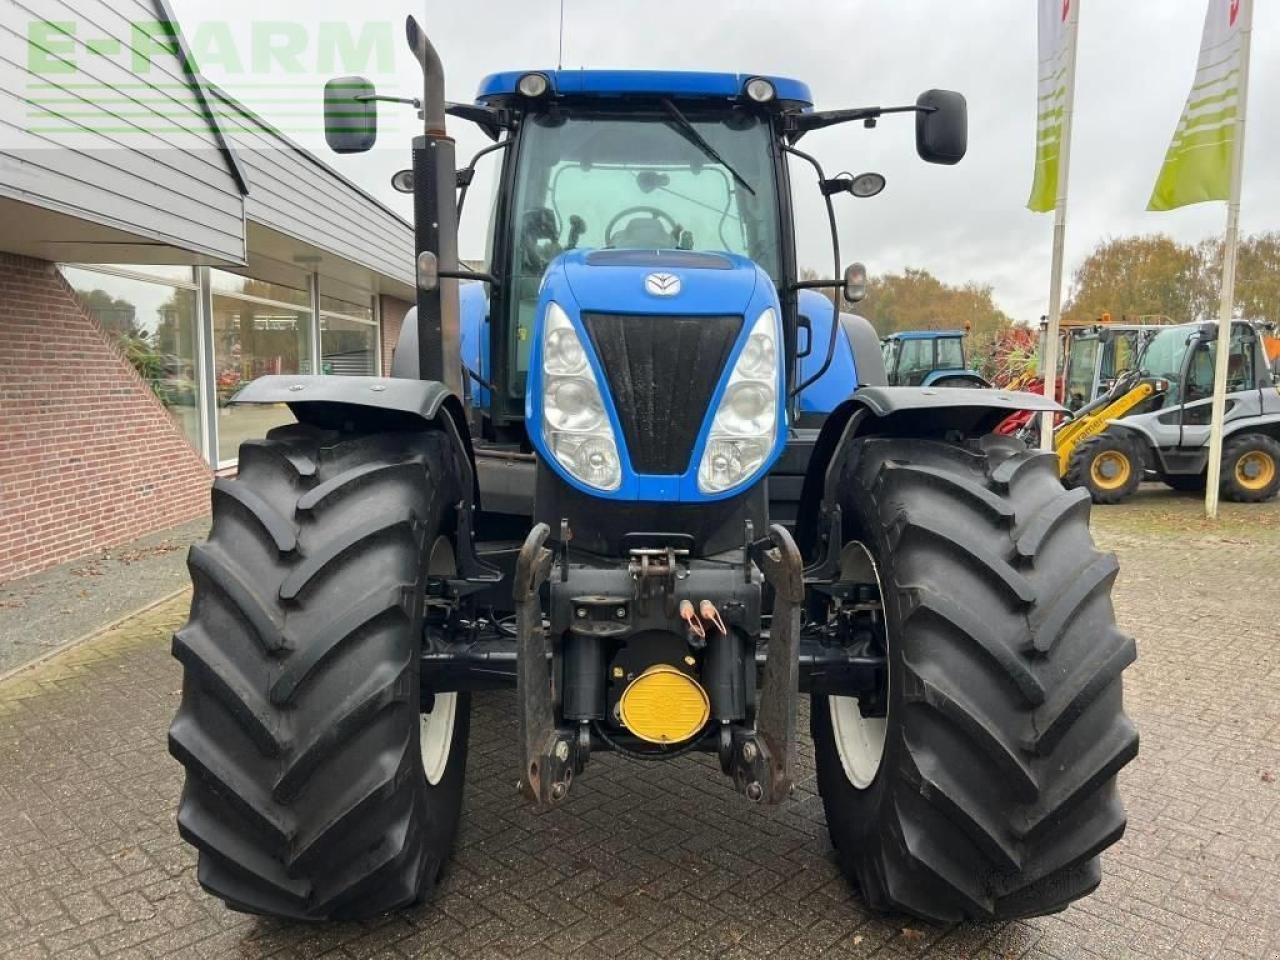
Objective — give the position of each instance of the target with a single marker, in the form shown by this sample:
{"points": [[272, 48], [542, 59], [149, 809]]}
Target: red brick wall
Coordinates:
{"points": [[88, 456], [393, 311]]}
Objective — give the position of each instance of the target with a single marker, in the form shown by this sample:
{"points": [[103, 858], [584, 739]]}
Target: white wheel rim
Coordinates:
{"points": [[436, 736], [859, 740], [435, 731]]}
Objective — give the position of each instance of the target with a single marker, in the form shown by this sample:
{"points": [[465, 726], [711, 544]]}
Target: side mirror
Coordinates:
{"points": [[855, 282], [350, 115], [942, 126]]}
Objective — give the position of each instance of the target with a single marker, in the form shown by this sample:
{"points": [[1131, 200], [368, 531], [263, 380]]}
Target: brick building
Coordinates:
{"points": [[147, 270]]}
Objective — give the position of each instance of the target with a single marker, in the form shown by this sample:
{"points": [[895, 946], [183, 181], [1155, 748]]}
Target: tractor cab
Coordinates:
{"points": [[1096, 355], [929, 358]]}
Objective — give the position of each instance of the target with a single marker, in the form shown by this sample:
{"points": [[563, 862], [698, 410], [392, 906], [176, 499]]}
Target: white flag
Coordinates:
{"points": [[1198, 164], [1056, 40]]}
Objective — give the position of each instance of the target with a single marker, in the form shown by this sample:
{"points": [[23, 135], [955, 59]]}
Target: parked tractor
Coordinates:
{"points": [[929, 358], [1154, 420], [643, 473]]}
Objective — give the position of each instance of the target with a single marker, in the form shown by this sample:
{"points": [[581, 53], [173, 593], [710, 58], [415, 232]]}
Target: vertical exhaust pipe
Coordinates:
{"points": [[435, 222]]}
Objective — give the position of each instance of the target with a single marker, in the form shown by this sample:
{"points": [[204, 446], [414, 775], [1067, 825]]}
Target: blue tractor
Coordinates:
{"points": [[928, 358], [641, 472]]}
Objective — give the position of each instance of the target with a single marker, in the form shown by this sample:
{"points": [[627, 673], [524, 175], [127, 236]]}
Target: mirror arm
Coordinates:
{"points": [[798, 124], [805, 284], [488, 278], [467, 173], [409, 101]]}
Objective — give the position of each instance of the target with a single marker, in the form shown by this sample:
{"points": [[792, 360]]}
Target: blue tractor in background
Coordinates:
{"points": [[642, 472], [929, 358]]}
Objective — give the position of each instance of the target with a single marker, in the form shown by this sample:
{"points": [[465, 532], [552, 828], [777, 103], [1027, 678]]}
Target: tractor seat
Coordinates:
{"points": [[644, 234]]}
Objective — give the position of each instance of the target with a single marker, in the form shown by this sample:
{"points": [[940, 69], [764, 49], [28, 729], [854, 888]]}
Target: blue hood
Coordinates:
{"points": [[687, 285], [613, 281]]}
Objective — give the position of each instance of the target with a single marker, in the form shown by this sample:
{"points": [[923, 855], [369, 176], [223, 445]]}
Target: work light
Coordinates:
{"points": [[760, 90], [533, 85]]}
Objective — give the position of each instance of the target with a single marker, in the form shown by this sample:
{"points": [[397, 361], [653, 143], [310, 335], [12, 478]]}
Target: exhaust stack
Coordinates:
{"points": [[435, 222]]}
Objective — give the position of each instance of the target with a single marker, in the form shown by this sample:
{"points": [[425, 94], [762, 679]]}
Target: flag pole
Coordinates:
{"points": [[1050, 372], [1226, 306]]}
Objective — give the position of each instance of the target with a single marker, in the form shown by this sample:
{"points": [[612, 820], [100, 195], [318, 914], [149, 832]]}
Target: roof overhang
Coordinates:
{"points": [[49, 234]]}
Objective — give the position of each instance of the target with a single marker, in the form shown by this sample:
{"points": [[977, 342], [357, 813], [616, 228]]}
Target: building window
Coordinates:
{"points": [[149, 312], [348, 338], [259, 328]]}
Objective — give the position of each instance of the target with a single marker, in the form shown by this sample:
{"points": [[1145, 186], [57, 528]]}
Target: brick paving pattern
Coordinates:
{"points": [[664, 860]]}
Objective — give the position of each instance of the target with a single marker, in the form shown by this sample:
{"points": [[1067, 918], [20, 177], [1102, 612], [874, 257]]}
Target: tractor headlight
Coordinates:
{"points": [[574, 422], [743, 431]]}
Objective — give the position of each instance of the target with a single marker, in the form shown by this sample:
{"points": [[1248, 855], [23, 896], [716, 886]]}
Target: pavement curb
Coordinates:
{"points": [[90, 636]]}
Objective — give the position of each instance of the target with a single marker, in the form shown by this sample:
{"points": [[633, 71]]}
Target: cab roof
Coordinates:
{"points": [[676, 84], [924, 335]]}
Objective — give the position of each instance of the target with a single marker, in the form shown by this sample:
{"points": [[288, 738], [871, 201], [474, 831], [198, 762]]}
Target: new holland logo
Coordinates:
{"points": [[662, 284]]}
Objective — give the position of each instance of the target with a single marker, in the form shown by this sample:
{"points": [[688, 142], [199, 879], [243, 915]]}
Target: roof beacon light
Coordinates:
{"points": [[533, 85], [760, 90]]}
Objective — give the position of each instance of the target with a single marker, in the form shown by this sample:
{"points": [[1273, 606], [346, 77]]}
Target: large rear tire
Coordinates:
{"points": [[989, 788], [313, 789]]}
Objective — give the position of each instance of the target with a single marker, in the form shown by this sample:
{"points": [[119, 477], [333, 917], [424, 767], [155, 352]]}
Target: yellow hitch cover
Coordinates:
{"points": [[664, 705]]}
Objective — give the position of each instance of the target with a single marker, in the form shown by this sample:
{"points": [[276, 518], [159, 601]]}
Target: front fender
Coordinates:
{"points": [[977, 403], [371, 404], [332, 400], [901, 412]]}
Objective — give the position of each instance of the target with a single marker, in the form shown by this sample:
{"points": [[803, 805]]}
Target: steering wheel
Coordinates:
{"points": [[653, 212]]}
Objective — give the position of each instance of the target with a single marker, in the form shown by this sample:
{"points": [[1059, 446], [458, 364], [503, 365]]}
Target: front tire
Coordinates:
{"points": [[1250, 468], [995, 789], [310, 791], [1109, 466]]}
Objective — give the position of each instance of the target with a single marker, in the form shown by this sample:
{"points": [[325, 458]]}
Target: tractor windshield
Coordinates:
{"points": [[1163, 358], [598, 180], [1082, 363]]}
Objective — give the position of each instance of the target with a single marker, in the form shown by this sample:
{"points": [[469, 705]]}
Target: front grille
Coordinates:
{"points": [[662, 373]]}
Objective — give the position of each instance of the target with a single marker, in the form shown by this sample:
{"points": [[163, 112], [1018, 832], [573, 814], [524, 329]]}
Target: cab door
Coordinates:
{"points": [[1197, 393]]}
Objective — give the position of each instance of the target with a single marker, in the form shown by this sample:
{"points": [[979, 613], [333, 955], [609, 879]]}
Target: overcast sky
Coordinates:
{"points": [[970, 222]]}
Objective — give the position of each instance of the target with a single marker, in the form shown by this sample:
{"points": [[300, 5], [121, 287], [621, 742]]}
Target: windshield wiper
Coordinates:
{"points": [[698, 140]]}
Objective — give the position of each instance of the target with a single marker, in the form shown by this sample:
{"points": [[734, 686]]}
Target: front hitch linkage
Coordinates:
{"points": [[550, 755], [763, 761]]}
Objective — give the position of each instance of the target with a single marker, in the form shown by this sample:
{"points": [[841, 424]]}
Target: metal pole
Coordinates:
{"points": [[1050, 371], [314, 336], [1226, 306]]}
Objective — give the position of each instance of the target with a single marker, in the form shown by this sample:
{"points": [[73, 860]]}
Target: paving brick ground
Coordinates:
{"points": [[665, 860]]}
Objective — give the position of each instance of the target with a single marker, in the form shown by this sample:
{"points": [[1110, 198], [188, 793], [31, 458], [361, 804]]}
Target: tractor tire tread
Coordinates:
{"points": [[298, 724], [997, 789]]}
